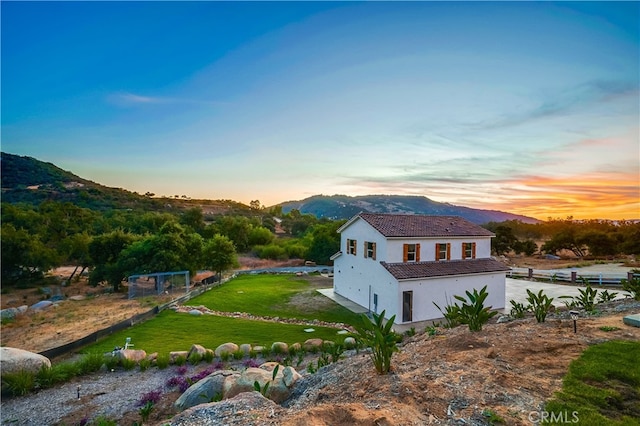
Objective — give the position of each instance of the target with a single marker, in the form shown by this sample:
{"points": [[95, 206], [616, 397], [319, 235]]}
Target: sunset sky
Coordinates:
{"points": [[527, 107]]}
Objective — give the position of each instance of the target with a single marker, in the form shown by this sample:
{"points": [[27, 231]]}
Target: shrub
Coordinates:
{"points": [[103, 420], [540, 304], [518, 309], [195, 358], [238, 354], [380, 338], [450, 314], [19, 383], [91, 363], [587, 298], [162, 361], [144, 364], [128, 364], [49, 376], [605, 296], [145, 411], [208, 356], [410, 332], [632, 286], [180, 361], [431, 330], [473, 312]]}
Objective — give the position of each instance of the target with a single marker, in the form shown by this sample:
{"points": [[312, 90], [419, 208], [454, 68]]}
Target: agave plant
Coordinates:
{"points": [[380, 338], [472, 311]]}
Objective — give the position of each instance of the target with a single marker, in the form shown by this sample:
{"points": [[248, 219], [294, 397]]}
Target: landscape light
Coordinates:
{"points": [[574, 317]]}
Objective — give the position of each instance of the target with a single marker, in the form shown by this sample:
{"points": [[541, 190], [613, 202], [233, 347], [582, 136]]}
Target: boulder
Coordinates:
{"points": [[9, 313], [279, 388], [197, 349], [43, 304], [174, 355], [349, 342], [209, 389], [504, 318], [195, 312], [245, 348], [311, 344], [77, 297], [279, 348], [13, 360], [296, 347], [135, 355], [269, 366], [224, 412], [22, 309], [229, 348]]}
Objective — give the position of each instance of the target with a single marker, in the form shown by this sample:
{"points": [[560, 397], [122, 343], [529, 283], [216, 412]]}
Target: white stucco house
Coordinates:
{"points": [[402, 264]]}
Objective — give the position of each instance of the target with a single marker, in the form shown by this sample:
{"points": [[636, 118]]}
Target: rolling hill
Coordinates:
{"points": [[343, 207], [28, 180]]}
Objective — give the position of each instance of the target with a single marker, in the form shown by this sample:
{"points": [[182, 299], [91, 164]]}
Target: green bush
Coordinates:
{"points": [[195, 358], [208, 356], [162, 361], [540, 304], [380, 338], [587, 298], [144, 364], [450, 314], [19, 383], [472, 311], [605, 296], [49, 376], [632, 286], [128, 364], [518, 309], [90, 363], [180, 360]]}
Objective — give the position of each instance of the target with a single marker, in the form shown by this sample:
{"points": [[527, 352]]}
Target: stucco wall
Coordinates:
{"points": [[428, 247], [442, 290]]}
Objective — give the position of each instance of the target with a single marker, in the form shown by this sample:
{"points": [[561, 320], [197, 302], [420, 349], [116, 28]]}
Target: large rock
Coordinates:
{"points": [[174, 355], [43, 304], [13, 360], [9, 313], [279, 348], [135, 355], [198, 350], [224, 412], [279, 387], [229, 348], [312, 344], [350, 342], [206, 390], [245, 348]]}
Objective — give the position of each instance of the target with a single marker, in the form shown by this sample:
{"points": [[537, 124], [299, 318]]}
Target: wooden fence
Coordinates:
{"points": [[572, 276]]}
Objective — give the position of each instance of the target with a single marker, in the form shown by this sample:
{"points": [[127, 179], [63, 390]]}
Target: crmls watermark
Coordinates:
{"points": [[552, 417]]}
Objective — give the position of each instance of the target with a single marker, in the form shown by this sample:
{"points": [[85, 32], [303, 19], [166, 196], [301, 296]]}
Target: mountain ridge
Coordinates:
{"points": [[26, 179], [345, 206]]}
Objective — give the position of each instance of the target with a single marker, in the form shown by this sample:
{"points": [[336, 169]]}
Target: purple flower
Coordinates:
{"points": [[152, 396], [251, 363], [182, 370]]}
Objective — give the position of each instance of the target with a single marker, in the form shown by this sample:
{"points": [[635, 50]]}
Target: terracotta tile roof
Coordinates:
{"points": [[407, 225], [404, 271]]}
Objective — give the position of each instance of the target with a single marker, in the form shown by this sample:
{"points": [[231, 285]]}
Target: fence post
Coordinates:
{"points": [[629, 276], [574, 276], [530, 273], [600, 279]]}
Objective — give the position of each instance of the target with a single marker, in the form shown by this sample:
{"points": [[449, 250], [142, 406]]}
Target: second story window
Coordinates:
{"points": [[443, 251], [411, 253], [468, 250], [370, 250], [351, 246]]}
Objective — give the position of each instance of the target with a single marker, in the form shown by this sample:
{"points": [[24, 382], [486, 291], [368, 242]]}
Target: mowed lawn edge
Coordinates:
{"points": [[269, 295], [171, 331], [260, 295]]}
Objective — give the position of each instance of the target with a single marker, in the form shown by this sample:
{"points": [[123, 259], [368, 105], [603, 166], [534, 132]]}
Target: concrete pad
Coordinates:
{"points": [[352, 306], [633, 320]]}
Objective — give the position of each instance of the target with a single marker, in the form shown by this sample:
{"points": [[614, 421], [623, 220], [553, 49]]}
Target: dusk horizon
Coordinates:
{"points": [[527, 108]]}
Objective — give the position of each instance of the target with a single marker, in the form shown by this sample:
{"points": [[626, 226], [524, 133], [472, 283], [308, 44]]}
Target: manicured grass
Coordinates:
{"points": [[170, 331], [268, 295], [602, 387]]}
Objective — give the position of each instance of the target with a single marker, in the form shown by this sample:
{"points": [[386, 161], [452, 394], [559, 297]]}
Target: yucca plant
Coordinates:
{"points": [[587, 298], [540, 304], [380, 338], [632, 286], [472, 311], [450, 314], [605, 296], [518, 309]]}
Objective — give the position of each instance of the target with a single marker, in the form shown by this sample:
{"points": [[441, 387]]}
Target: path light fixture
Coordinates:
{"points": [[78, 389], [574, 317]]}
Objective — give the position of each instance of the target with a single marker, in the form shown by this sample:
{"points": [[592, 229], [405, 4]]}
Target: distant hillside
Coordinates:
{"points": [[344, 207], [28, 180]]}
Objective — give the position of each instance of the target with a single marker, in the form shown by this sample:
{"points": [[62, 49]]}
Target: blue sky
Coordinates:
{"points": [[531, 108]]}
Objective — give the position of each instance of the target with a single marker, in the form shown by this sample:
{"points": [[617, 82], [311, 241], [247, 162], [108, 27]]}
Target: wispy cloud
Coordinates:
{"points": [[567, 101], [127, 99]]}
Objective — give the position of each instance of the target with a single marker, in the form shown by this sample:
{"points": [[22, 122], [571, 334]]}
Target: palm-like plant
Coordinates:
{"points": [[472, 311], [380, 338]]}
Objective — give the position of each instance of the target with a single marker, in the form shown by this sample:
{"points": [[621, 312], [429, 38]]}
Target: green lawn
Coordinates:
{"points": [[602, 387], [265, 295]]}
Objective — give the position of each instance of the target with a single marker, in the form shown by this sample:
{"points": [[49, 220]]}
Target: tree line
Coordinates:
{"points": [[584, 238], [114, 244], [117, 243]]}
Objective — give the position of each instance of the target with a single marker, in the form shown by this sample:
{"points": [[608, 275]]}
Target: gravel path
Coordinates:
{"points": [[111, 393]]}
